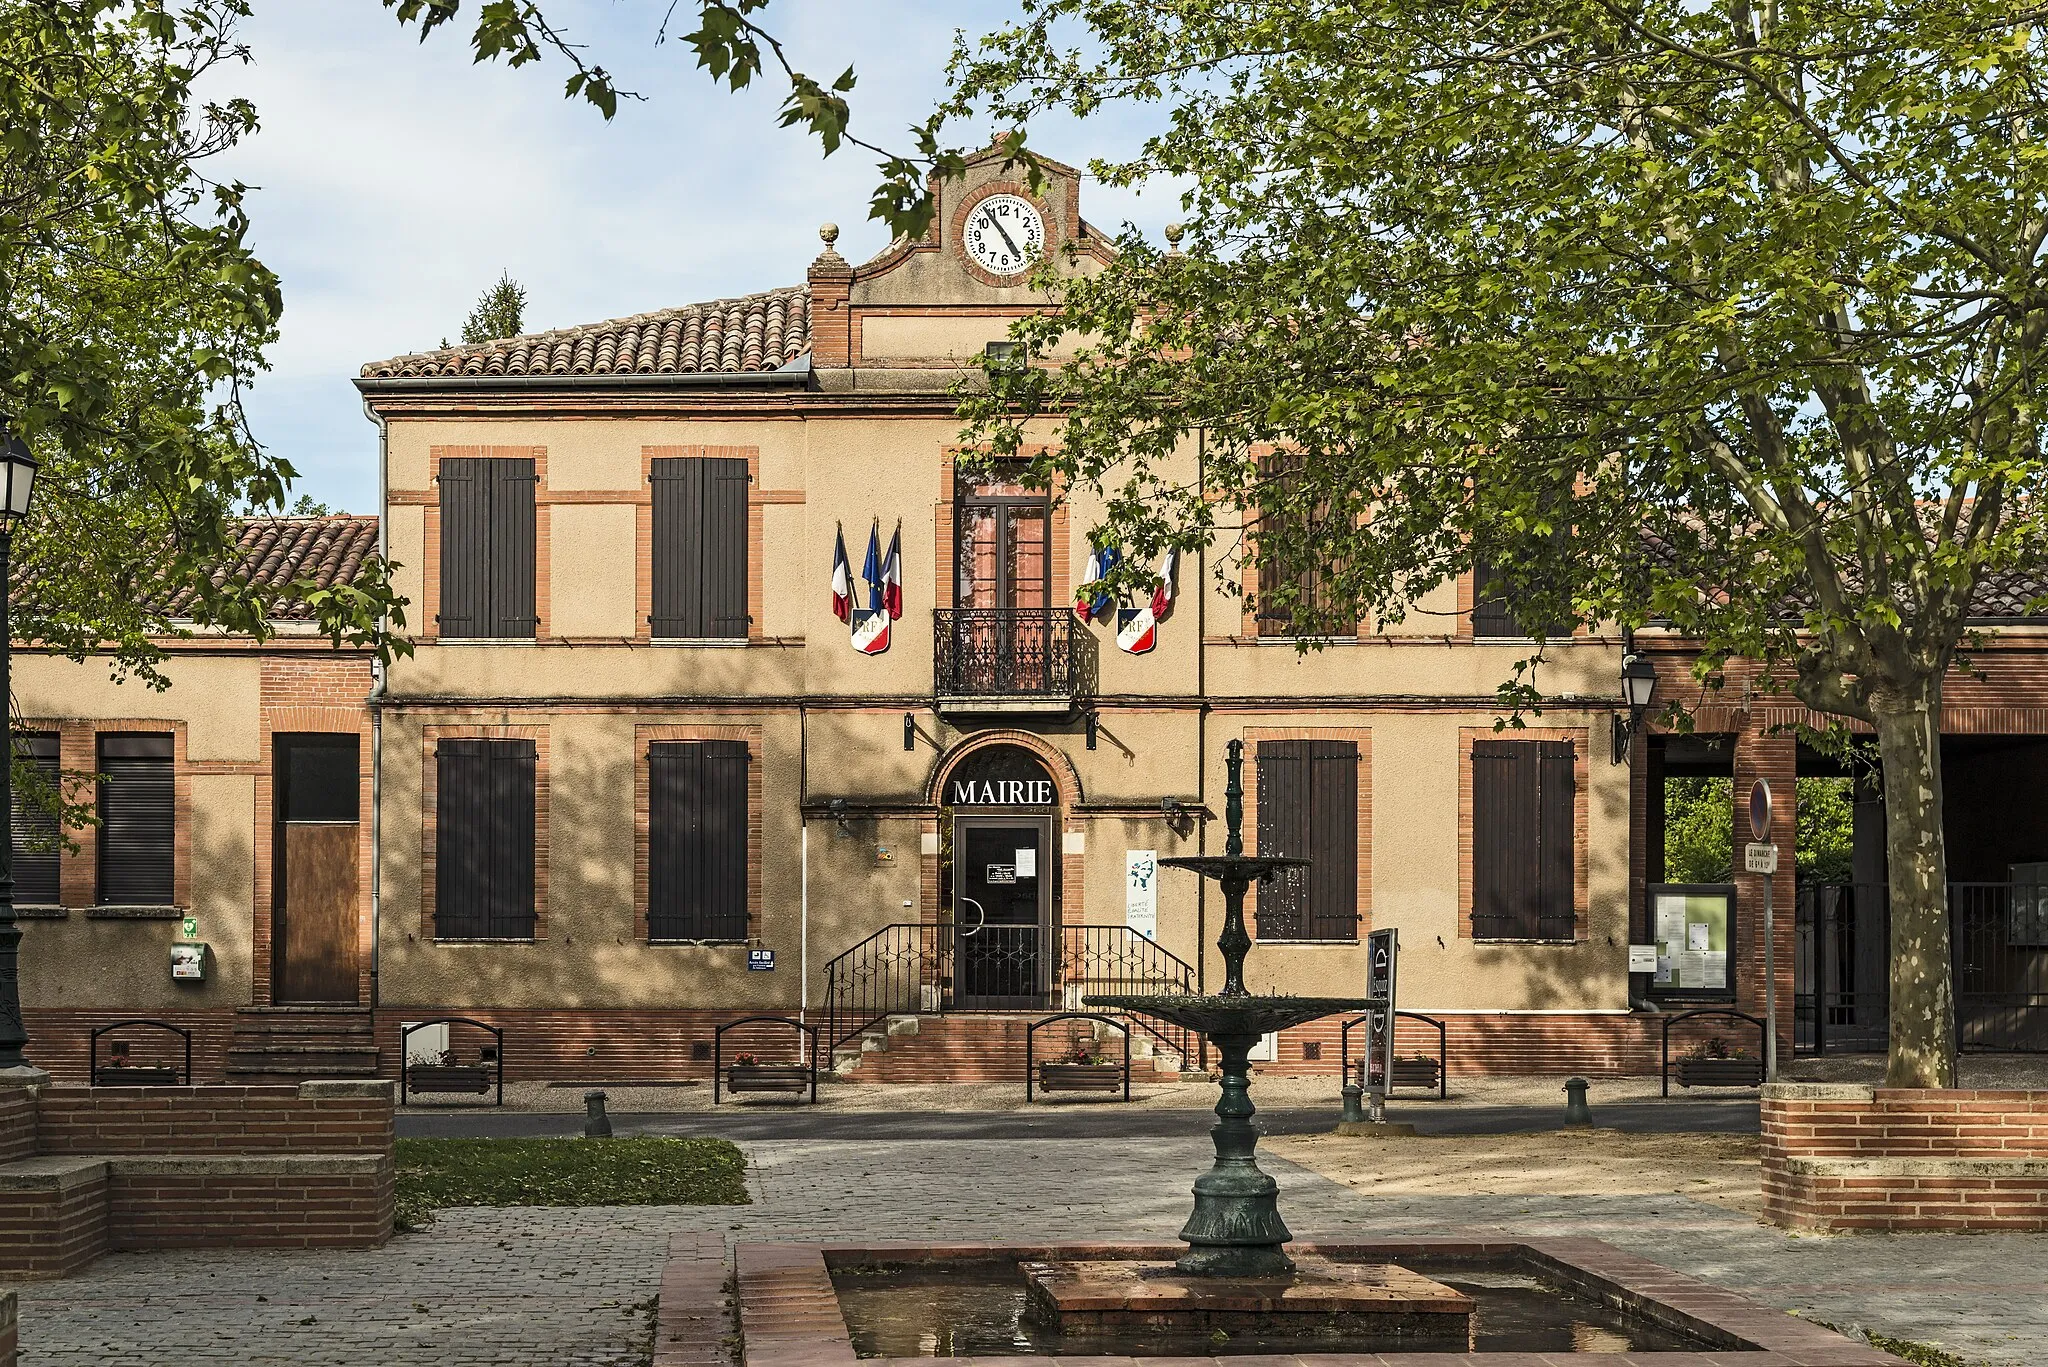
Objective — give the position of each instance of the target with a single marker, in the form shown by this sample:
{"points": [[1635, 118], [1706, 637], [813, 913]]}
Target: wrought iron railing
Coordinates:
{"points": [[918, 969], [1998, 945], [1010, 653]]}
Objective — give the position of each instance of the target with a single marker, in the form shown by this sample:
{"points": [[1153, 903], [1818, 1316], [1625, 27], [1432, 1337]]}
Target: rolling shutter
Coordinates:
{"points": [[697, 840], [700, 547], [1308, 807], [484, 810], [1524, 810], [35, 828], [487, 547], [138, 821]]}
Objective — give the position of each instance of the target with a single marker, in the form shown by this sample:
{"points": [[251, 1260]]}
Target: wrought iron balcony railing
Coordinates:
{"points": [[1011, 653]]}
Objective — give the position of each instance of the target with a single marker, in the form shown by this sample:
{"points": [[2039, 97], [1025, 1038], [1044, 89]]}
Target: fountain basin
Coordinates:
{"points": [[1234, 1013]]}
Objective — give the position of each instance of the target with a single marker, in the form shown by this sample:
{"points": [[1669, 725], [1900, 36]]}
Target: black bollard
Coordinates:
{"points": [[596, 1124], [1354, 1114], [1576, 1112]]}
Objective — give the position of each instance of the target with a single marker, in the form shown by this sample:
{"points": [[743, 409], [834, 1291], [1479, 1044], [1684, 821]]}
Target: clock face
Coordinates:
{"points": [[1004, 234]]}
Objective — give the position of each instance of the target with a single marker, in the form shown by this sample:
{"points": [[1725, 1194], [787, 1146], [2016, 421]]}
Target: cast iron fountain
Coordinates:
{"points": [[1236, 1229]]}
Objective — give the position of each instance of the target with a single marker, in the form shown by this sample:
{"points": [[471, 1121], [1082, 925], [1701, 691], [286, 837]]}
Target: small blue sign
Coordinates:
{"points": [[760, 961]]}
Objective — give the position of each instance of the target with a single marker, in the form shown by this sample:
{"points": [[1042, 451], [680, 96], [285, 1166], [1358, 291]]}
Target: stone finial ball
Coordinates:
{"points": [[1173, 234], [828, 233]]}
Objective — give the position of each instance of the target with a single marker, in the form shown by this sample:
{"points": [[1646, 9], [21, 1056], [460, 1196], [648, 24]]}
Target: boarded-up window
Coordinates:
{"points": [[487, 535], [1524, 813], [697, 840], [34, 826], [700, 547], [1308, 808], [484, 804], [138, 821]]}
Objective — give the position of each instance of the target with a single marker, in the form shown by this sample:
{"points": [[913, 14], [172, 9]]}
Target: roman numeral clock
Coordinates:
{"points": [[1003, 234]]}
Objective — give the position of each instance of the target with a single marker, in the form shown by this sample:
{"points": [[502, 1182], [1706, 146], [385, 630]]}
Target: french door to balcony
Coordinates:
{"points": [[1002, 591]]}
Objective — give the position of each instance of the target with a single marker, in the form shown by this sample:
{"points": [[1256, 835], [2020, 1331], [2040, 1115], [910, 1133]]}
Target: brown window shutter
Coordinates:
{"points": [[35, 829], [697, 840], [700, 547], [511, 566], [1557, 806], [1308, 808], [1524, 811], [484, 840], [465, 513], [138, 820], [488, 587]]}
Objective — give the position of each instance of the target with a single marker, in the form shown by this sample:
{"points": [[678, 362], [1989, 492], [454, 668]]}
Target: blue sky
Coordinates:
{"points": [[395, 180]]}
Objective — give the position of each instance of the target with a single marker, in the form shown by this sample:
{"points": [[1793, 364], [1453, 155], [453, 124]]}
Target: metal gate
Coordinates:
{"points": [[1998, 941]]}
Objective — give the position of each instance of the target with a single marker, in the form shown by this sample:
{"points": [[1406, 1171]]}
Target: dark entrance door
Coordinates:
{"points": [[1002, 894], [313, 890]]}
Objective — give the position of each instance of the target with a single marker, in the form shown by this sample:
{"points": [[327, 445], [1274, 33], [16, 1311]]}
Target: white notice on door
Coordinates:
{"points": [[1027, 863]]}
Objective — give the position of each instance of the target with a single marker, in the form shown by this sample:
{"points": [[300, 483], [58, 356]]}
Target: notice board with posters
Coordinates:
{"points": [[1693, 928]]}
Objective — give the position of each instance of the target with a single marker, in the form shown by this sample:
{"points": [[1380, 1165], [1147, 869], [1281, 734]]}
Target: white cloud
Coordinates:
{"points": [[397, 179]]}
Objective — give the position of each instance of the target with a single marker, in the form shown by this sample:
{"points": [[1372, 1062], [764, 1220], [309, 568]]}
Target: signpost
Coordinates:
{"points": [[1382, 955], [1761, 856]]}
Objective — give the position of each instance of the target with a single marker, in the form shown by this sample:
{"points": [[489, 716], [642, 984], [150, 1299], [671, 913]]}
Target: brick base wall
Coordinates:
{"points": [[1850, 1157], [8, 1329], [17, 1123], [306, 1166]]}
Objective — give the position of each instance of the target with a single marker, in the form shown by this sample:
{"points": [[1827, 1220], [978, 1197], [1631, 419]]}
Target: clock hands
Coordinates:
{"points": [[1008, 241]]}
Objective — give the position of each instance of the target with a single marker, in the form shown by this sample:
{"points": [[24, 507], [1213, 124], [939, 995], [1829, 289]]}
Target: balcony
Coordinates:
{"points": [[992, 660]]}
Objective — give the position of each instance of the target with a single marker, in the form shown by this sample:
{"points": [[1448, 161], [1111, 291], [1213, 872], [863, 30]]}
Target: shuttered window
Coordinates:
{"points": [[1308, 807], [1494, 617], [484, 806], [697, 840], [1524, 812], [34, 827], [700, 547], [138, 821], [1294, 597], [487, 532]]}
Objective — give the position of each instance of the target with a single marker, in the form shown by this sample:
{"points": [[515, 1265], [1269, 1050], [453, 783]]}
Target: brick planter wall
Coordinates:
{"points": [[1851, 1157], [306, 1166]]}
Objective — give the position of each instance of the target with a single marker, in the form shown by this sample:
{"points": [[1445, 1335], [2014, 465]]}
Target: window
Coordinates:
{"points": [[487, 536], [700, 547], [1494, 618], [1524, 838], [34, 828], [697, 840], [1308, 807], [484, 809], [1294, 598], [1001, 540], [138, 821]]}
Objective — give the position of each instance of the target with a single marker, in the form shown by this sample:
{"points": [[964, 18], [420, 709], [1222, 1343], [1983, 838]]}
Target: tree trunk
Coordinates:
{"points": [[1923, 1026]]}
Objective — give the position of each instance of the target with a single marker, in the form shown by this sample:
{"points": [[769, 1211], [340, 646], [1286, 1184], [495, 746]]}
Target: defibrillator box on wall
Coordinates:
{"points": [[188, 961]]}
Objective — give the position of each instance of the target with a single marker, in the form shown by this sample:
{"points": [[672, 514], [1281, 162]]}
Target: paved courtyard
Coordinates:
{"points": [[565, 1288]]}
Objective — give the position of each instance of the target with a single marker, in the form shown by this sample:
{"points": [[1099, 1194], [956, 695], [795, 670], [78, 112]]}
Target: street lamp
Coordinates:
{"points": [[17, 484], [1638, 686]]}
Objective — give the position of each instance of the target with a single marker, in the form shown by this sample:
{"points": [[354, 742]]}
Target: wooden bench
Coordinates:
{"points": [[135, 1075], [449, 1077]]}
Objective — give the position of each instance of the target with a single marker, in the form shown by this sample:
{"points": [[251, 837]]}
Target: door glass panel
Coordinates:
{"points": [[975, 558], [1024, 552], [997, 871]]}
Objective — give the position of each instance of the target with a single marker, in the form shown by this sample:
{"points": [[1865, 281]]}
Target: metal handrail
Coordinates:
{"points": [[1443, 1062], [1031, 1040], [93, 1051], [405, 1055], [909, 968], [1664, 1071], [807, 1033]]}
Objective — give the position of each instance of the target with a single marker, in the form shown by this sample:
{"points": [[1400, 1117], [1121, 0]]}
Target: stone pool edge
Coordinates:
{"points": [[788, 1312]]}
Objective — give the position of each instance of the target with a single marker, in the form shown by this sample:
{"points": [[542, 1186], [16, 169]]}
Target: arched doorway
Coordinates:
{"points": [[999, 876]]}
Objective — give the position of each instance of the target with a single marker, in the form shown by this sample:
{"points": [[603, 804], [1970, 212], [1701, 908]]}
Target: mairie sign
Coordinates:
{"points": [[1001, 792]]}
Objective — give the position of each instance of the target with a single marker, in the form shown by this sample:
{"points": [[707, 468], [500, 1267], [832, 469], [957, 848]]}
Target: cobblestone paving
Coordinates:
{"points": [[559, 1288]]}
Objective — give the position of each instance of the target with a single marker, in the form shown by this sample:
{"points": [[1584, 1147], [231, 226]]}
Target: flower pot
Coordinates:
{"points": [[449, 1077], [1720, 1072], [1081, 1077]]}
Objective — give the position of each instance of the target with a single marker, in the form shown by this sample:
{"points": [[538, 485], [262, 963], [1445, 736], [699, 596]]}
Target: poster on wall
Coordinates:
{"points": [[1693, 927], [1141, 892]]}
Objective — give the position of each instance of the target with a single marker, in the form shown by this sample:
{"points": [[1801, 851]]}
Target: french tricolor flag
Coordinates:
{"points": [[1092, 601], [892, 575], [1162, 596], [842, 579]]}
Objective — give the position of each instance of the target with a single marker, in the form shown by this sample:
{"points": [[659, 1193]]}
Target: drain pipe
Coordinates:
{"points": [[379, 682], [803, 794]]}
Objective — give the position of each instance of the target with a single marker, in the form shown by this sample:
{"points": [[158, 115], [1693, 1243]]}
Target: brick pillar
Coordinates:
{"points": [[831, 280], [1776, 758]]}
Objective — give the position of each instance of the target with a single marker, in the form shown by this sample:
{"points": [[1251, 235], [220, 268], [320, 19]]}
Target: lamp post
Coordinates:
{"points": [[1638, 687], [17, 483]]}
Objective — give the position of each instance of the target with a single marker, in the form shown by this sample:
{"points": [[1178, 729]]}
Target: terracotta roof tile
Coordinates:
{"points": [[274, 552], [755, 332]]}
